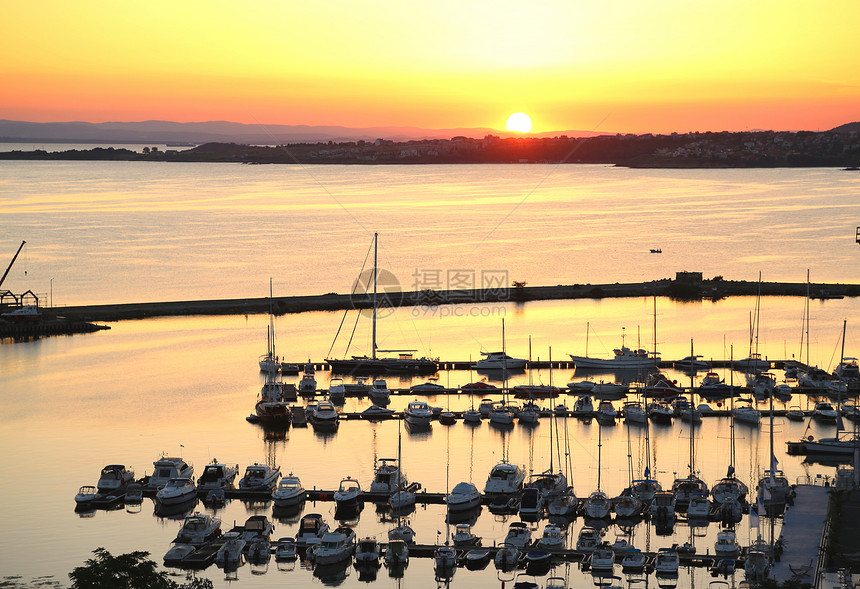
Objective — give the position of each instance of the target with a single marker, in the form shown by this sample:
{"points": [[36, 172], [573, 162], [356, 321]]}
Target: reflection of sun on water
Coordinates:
{"points": [[519, 122]]}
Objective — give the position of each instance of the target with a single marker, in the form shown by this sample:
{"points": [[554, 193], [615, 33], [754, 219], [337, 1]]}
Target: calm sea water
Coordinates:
{"points": [[124, 232]]}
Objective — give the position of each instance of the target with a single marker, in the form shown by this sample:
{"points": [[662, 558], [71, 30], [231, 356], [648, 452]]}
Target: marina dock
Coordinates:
{"points": [[802, 536]]}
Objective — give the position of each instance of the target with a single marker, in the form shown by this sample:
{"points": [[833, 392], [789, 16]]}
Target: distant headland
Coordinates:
{"points": [[839, 147]]}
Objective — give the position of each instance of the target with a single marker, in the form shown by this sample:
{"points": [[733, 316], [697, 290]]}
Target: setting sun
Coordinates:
{"points": [[519, 122]]}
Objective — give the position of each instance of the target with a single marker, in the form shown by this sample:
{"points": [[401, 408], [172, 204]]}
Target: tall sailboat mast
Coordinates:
{"points": [[375, 272]]}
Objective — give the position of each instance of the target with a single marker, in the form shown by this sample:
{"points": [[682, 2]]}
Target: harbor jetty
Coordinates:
{"points": [[685, 286]]}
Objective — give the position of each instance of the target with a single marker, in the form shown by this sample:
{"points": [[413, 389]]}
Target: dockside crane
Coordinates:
{"points": [[9, 267]]}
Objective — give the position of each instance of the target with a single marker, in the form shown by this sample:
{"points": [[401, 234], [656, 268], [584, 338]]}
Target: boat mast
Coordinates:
{"points": [[807, 318], [375, 244]]}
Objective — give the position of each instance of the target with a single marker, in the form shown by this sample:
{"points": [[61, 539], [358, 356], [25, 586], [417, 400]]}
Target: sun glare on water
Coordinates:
{"points": [[519, 122]]}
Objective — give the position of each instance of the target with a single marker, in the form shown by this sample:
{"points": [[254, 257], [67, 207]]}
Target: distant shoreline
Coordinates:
{"points": [[676, 289], [762, 149]]}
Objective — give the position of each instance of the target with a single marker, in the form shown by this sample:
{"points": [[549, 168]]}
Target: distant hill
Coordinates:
{"points": [[847, 128], [225, 131]]}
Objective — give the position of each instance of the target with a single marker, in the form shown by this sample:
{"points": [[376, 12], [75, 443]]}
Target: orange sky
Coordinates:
{"points": [[617, 65]]}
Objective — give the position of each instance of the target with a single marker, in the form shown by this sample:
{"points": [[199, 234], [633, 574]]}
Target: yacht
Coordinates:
{"points": [[286, 550], [502, 414], [588, 540], [663, 506], [289, 492], [633, 412], [530, 504], [685, 488], [602, 558], [485, 407], [667, 561], [377, 413], [824, 412], [396, 554], [624, 358], [691, 363], [114, 479], [554, 537], [418, 414], [367, 551], [260, 477], [272, 407], [584, 405], [505, 479], [230, 552], [387, 477], [86, 495], [747, 414], [348, 492], [324, 417], [257, 527], [606, 412], [167, 468], [216, 475], [336, 391], [379, 393], [507, 557], [518, 535], [698, 507], [499, 361], [463, 536], [177, 490], [598, 505], [311, 527], [308, 383], [726, 544], [463, 496], [335, 546], [199, 528]]}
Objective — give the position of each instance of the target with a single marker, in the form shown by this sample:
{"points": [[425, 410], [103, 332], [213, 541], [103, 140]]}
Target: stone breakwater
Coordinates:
{"points": [[677, 289]]}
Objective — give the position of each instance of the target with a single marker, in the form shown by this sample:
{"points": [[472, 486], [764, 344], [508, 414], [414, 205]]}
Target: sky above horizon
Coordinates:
{"points": [[616, 66]]}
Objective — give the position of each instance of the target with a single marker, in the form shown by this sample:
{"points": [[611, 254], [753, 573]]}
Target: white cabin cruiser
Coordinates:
{"points": [[114, 479], [335, 546], [418, 414], [519, 535], [289, 492], [199, 528], [177, 490], [260, 477], [367, 551], [499, 361], [217, 475], [166, 468], [312, 526], [554, 537], [230, 552], [463, 496], [348, 492], [387, 477], [505, 479]]}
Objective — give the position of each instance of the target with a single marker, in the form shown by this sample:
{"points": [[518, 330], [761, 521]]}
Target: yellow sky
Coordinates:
{"points": [[616, 65]]}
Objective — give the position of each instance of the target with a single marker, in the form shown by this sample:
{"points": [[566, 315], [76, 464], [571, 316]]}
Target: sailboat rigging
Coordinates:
{"points": [[404, 363]]}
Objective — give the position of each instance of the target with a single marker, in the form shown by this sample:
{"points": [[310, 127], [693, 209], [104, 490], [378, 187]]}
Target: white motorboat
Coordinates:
{"points": [[747, 414], [324, 417], [114, 479], [375, 413], [427, 387], [824, 412], [751, 363], [348, 492], [445, 562], [259, 550], [691, 363], [663, 506], [660, 412], [477, 559], [387, 477], [627, 506], [843, 444], [217, 475], [312, 526], [564, 503], [505, 479], [166, 468], [463, 536], [726, 544], [624, 358], [367, 551], [463, 496], [554, 537], [685, 488], [529, 414], [634, 413], [519, 535], [396, 553], [472, 416], [177, 553], [86, 495], [134, 494], [335, 546], [667, 561], [485, 407], [289, 492], [757, 563], [633, 561], [260, 477], [646, 488], [685, 410], [602, 558], [507, 557], [729, 487], [286, 550], [257, 527], [609, 391], [698, 506], [588, 540], [418, 414], [606, 412], [401, 500], [530, 504], [230, 552], [499, 361], [177, 490], [198, 529], [308, 383], [584, 405], [379, 393], [336, 391]]}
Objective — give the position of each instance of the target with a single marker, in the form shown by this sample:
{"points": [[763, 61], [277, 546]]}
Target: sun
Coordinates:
{"points": [[519, 122]]}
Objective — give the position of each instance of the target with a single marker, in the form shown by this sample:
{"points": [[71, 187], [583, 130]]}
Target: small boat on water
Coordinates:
{"points": [[519, 535], [289, 492], [199, 528], [667, 561], [463, 497], [387, 477], [324, 417], [86, 495], [308, 383], [379, 393], [427, 387], [177, 490], [691, 363], [348, 492], [166, 468], [230, 552], [464, 537], [624, 358], [260, 477], [499, 361], [217, 475], [367, 551], [312, 526], [507, 557], [336, 391], [286, 550], [554, 537], [376, 413], [396, 553], [588, 540], [335, 546], [134, 494], [726, 544], [177, 553], [824, 412], [418, 414], [505, 479], [114, 479], [477, 559]]}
